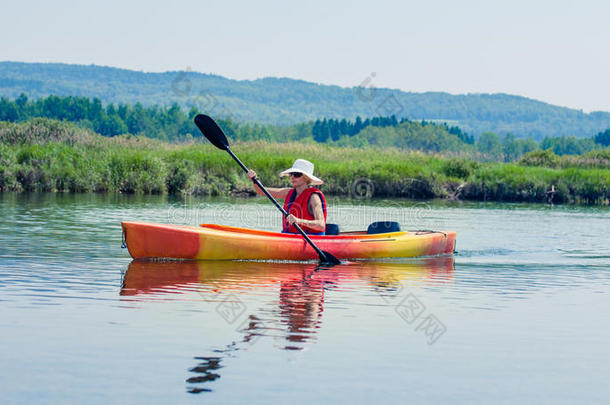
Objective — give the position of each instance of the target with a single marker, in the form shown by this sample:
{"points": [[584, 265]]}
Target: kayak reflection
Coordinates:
{"points": [[292, 317], [300, 288], [179, 277]]}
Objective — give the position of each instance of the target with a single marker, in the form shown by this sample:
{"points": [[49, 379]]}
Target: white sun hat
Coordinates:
{"points": [[305, 167]]}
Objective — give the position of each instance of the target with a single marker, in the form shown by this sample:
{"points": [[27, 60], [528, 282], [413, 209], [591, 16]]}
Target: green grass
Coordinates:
{"points": [[44, 155]]}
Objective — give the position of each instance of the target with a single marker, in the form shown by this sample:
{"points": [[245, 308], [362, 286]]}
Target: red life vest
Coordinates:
{"points": [[299, 207]]}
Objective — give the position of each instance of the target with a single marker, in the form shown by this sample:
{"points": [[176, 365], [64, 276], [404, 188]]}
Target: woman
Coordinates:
{"points": [[304, 203]]}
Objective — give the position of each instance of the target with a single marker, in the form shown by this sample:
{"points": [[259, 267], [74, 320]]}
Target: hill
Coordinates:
{"points": [[283, 101]]}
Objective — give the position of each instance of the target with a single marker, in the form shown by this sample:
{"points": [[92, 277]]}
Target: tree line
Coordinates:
{"points": [[172, 123], [166, 123]]}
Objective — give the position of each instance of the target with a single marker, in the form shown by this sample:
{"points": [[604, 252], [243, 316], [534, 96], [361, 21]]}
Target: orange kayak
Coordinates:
{"points": [[218, 242]]}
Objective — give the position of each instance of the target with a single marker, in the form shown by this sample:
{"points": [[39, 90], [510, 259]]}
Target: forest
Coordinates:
{"points": [[173, 124]]}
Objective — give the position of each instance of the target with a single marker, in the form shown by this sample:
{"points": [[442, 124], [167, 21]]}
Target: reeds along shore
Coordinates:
{"points": [[46, 155]]}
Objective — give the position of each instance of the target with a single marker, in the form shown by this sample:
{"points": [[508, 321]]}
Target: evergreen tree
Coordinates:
{"points": [[603, 138], [323, 132], [8, 110], [123, 111], [357, 126]]}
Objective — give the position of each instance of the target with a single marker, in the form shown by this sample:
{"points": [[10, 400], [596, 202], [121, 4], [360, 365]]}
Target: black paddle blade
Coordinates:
{"points": [[212, 131], [328, 259]]}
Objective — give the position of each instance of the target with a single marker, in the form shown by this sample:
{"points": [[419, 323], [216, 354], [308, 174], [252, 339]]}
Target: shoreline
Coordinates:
{"points": [[60, 157], [549, 197]]}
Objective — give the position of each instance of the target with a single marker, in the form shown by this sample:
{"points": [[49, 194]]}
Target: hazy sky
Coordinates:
{"points": [[555, 51]]}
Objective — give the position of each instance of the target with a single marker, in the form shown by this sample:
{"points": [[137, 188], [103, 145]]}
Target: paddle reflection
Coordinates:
{"points": [[294, 314], [205, 371]]}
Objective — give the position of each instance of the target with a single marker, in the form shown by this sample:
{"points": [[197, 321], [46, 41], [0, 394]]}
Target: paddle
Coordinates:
{"points": [[212, 131]]}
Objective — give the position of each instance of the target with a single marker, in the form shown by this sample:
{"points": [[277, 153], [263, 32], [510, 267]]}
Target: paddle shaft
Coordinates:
{"points": [[279, 207]]}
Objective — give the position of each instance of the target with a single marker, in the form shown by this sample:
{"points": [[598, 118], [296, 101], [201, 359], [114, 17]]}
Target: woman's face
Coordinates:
{"points": [[297, 181]]}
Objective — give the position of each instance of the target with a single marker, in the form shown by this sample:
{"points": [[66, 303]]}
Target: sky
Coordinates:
{"points": [[553, 51]]}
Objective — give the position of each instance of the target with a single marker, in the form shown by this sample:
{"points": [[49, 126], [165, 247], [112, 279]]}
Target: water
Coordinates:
{"points": [[516, 315]]}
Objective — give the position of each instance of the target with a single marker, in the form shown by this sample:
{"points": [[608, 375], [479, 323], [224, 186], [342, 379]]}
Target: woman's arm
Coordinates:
{"points": [[280, 193]]}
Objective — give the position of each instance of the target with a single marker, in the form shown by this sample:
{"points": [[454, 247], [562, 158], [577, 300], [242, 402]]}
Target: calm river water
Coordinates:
{"points": [[519, 314]]}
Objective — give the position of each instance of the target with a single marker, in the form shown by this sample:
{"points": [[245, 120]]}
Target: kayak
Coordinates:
{"points": [[219, 242]]}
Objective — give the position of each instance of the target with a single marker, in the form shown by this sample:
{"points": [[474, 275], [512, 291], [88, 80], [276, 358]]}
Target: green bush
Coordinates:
{"points": [[545, 158], [137, 171], [459, 168], [178, 175]]}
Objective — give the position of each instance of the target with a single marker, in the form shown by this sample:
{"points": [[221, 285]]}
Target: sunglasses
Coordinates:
{"points": [[296, 175]]}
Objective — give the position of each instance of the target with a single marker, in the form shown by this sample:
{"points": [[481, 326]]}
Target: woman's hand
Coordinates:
{"points": [[291, 219], [252, 174]]}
